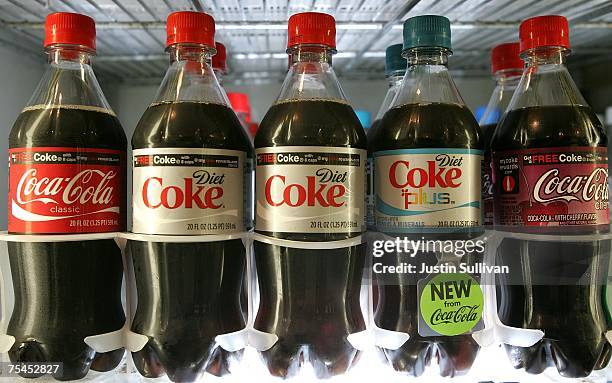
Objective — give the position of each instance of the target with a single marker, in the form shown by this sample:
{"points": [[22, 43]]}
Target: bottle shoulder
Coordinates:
{"points": [[190, 125], [67, 127], [549, 126], [427, 125], [311, 123]]}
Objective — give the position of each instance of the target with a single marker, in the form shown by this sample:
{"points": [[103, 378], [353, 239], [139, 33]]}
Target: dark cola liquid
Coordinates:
{"points": [[371, 219], [487, 134], [310, 298], [188, 293], [487, 173], [555, 286], [431, 125], [66, 291], [371, 133]]}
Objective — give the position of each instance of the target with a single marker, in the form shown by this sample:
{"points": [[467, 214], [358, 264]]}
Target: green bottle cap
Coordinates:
{"points": [[427, 31], [394, 62]]}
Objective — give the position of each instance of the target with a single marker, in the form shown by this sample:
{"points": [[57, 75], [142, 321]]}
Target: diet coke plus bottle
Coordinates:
{"points": [[551, 176], [395, 68], [66, 176], [310, 181], [190, 156], [427, 164]]}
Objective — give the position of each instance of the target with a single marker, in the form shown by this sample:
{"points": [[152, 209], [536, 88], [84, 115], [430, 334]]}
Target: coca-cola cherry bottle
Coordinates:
{"points": [[310, 180], [427, 164], [66, 176], [551, 177], [190, 155], [395, 68], [507, 67]]}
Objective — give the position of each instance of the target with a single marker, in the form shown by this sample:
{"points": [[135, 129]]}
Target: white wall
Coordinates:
{"points": [[19, 75]]}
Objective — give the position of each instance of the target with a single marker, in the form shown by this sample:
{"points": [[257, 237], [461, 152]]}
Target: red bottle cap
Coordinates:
{"points": [[240, 102], [253, 126], [544, 31], [190, 27], [312, 28], [506, 56], [70, 28], [218, 60]]}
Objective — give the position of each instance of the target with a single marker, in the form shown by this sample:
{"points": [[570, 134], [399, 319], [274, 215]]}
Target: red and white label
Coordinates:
{"points": [[552, 187], [66, 190], [303, 189], [180, 191]]}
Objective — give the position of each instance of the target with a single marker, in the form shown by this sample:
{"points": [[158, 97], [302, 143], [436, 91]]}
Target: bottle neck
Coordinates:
{"points": [[311, 75], [190, 76], [545, 56], [195, 53], [546, 80], [395, 82], [427, 78], [219, 75], [69, 80], [395, 79], [427, 56], [310, 54], [508, 78], [70, 54]]}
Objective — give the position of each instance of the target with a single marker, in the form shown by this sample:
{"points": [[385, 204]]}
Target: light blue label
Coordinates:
{"points": [[427, 189]]}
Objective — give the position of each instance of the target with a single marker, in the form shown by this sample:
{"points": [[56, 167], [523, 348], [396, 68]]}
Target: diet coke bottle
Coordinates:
{"points": [[550, 168], [310, 180], [66, 176], [189, 179]]}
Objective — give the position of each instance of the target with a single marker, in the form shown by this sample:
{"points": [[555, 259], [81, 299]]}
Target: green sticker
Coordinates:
{"points": [[451, 304]]}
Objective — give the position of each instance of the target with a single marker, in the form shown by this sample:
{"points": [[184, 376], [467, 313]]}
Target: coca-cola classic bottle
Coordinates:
{"points": [[189, 178], [66, 176], [310, 173], [551, 177]]}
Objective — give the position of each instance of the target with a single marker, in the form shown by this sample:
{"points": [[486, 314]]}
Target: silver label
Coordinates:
{"points": [[178, 191], [306, 189]]}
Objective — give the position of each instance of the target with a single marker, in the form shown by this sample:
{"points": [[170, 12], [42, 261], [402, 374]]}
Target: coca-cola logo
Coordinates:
{"points": [[89, 186], [326, 188], [460, 315], [443, 172], [487, 185], [550, 186], [202, 190]]}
